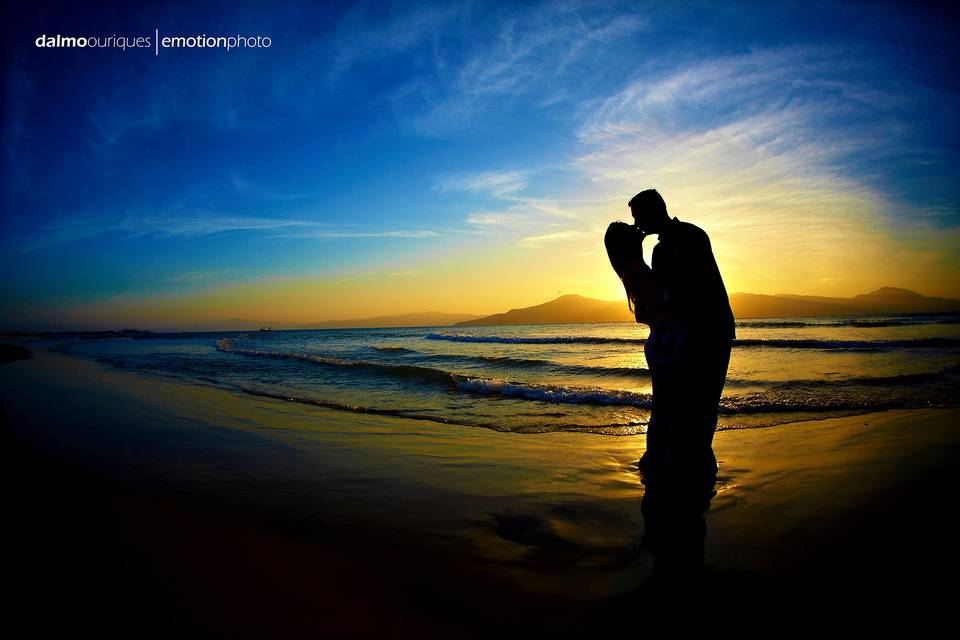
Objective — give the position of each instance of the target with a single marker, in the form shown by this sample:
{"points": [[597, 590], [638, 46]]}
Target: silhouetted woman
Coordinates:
{"points": [[624, 244], [625, 249]]}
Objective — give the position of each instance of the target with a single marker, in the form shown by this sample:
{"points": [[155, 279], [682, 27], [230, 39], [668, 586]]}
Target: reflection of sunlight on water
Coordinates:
{"points": [[724, 487], [807, 364]]}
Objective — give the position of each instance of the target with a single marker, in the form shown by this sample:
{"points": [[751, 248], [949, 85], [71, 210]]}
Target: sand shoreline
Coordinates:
{"points": [[355, 524]]}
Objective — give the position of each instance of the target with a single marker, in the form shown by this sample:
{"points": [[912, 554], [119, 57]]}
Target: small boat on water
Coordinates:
{"points": [[265, 329]]}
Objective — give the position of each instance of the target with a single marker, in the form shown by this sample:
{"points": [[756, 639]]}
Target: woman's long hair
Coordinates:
{"points": [[623, 241]]}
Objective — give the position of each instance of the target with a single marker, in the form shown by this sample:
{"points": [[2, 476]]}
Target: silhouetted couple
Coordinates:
{"points": [[682, 298]]}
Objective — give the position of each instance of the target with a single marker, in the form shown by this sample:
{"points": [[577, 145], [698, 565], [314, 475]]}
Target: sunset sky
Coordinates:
{"points": [[383, 158]]}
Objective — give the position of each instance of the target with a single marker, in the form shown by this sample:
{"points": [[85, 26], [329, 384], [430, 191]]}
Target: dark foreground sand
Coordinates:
{"points": [[139, 506]]}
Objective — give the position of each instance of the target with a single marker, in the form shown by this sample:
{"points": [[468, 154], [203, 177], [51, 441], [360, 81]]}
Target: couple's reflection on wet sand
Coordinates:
{"points": [[674, 506], [665, 570]]}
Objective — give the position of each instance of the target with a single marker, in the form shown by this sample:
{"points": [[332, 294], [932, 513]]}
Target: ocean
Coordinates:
{"points": [[590, 377]]}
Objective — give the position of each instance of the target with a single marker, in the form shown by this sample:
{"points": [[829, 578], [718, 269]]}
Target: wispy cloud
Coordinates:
{"points": [[525, 52], [81, 227], [550, 207], [351, 278], [78, 228], [373, 31], [532, 242], [328, 235], [504, 185], [787, 116], [254, 189], [18, 91], [496, 218], [521, 214], [500, 184]]}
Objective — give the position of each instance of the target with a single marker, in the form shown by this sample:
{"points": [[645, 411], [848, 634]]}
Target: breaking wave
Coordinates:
{"points": [[786, 343]]}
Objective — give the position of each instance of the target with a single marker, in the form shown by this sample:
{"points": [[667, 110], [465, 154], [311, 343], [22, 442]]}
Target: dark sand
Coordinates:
{"points": [[140, 506]]}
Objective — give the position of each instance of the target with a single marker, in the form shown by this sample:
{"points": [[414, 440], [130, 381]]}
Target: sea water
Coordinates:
{"points": [[590, 377]]}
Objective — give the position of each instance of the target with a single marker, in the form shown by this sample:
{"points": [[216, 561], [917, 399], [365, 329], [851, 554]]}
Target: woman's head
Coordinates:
{"points": [[623, 242]]}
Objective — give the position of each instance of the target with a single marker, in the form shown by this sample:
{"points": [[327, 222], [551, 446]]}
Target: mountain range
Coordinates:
{"points": [[882, 301], [573, 308]]}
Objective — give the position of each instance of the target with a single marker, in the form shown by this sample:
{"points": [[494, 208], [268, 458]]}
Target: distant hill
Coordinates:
{"points": [[896, 300], [883, 300], [574, 308], [568, 308]]}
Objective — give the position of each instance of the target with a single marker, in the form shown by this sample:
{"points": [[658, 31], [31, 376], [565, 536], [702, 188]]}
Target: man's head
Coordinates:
{"points": [[649, 211]]}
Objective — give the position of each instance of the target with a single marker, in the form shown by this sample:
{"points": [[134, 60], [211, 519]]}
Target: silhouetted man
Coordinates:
{"points": [[691, 331]]}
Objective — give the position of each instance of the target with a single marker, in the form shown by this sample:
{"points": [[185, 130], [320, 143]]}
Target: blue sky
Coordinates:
{"points": [[417, 150]]}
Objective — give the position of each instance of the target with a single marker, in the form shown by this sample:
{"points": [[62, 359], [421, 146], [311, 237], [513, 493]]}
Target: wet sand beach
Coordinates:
{"points": [[149, 506]]}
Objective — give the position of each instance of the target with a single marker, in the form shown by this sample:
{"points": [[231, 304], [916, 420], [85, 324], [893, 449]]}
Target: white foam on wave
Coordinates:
{"points": [[550, 393], [462, 337], [779, 343]]}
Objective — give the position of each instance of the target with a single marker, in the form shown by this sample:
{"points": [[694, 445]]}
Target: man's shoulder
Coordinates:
{"points": [[690, 228], [687, 232]]}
